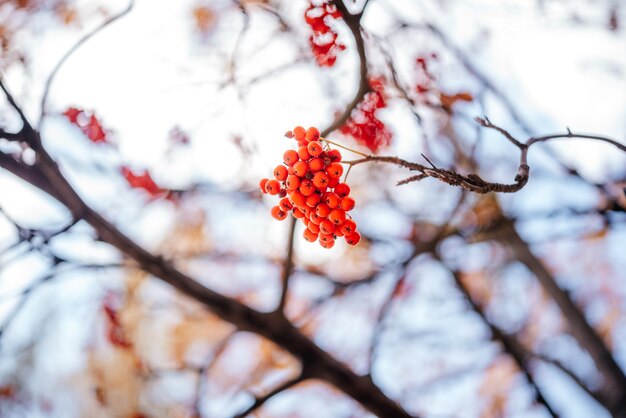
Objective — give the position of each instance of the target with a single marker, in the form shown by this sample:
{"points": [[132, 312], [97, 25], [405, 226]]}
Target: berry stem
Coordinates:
{"points": [[345, 178], [343, 146]]}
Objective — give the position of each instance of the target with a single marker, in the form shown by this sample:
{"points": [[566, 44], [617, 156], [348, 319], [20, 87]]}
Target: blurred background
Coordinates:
{"points": [[165, 116]]}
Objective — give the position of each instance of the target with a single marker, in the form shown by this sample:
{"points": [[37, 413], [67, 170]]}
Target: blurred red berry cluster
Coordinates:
{"points": [[319, 16], [364, 125], [88, 123]]}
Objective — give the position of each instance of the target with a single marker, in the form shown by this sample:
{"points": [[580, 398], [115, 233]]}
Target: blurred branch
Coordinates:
{"points": [[509, 343], [287, 264], [260, 401], [354, 24], [614, 386], [70, 52]]}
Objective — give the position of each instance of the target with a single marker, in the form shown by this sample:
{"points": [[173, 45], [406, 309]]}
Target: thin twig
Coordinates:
{"points": [[260, 401], [70, 52]]}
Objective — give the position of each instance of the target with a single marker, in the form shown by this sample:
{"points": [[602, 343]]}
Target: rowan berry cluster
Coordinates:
{"points": [[310, 187]]}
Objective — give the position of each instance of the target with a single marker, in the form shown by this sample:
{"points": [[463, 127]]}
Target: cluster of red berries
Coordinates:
{"points": [[310, 188]]}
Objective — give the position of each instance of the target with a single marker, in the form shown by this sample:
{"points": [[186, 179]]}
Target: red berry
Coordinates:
{"points": [[353, 238], [347, 227], [315, 148], [300, 168], [303, 153], [306, 187], [320, 179], [297, 199], [285, 204], [327, 227], [313, 200], [312, 134], [333, 182], [315, 219], [280, 172], [326, 238], [278, 213], [292, 182], [299, 133], [322, 210], [313, 227], [327, 244], [337, 216], [316, 164], [297, 213], [262, 184], [332, 200], [290, 157], [334, 155], [347, 203], [334, 170], [272, 187], [342, 190], [309, 235]]}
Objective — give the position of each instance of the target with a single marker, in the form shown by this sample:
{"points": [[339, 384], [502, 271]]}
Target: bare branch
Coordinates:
{"points": [[486, 123]]}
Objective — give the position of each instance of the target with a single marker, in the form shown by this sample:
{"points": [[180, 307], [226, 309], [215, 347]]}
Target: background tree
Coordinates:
{"points": [[142, 274]]}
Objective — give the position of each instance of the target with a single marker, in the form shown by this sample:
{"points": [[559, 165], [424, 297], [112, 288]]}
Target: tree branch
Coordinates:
{"points": [[353, 22]]}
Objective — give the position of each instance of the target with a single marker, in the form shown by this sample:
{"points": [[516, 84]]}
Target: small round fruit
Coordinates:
{"points": [[306, 187], [342, 190], [299, 133], [300, 168], [272, 187], [327, 227], [313, 200], [322, 210], [290, 157], [303, 153], [285, 204], [309, 235], [312, 134], [334, 155], [334, 170], [315, 148], [262, 184], [280, 172], [313, 227], [298, 214], [297, 198], [348, 227], [327, 244], [278, 213], [347, 203], [320, 179], [353, 238], [292, 182], [337, 216], [332, 200], [316, 164]]}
